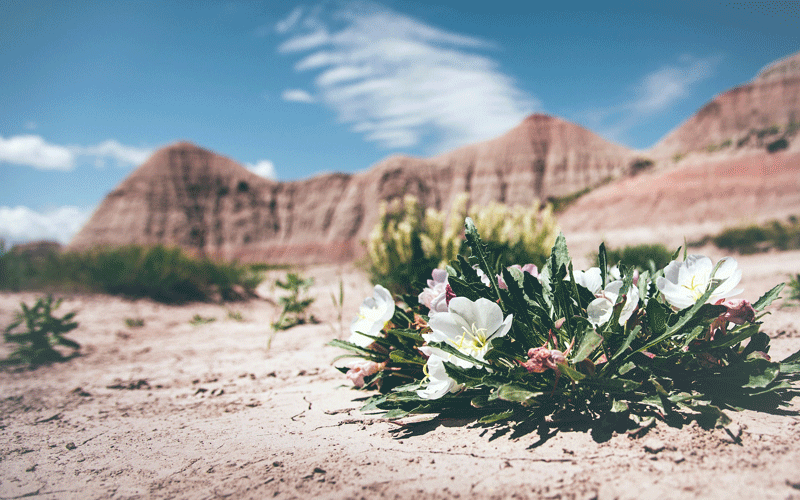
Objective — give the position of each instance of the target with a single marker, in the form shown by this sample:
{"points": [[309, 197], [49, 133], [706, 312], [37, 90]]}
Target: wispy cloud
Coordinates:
{"points": [[33, 151], [400, 81], [264, 168], [655, 92], [297, 95], [21, 224], [667, 85]]}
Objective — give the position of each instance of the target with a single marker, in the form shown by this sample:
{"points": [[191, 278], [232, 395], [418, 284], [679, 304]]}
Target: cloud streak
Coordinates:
{"points": [[654, 93], [33, 151], [21, 224], [401, 82]]}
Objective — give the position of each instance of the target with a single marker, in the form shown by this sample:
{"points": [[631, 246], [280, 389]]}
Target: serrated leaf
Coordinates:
{"points": [[395, 414], [403, 357], [768, 297]]}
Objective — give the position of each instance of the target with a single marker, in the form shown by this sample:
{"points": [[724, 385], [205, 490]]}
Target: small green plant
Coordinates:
{"points": [[338, 304], [198, 320], [794, 288], [43, 332], [235, 315], [294, 305], [134, 322], [640, 165]]}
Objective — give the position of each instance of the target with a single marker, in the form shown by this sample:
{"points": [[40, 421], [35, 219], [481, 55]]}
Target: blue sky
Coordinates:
{"points": [[290, 89]]}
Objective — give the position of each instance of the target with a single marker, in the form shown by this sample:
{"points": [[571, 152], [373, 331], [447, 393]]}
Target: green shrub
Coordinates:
{"points": [[645, 257], [42, 333], [162, 273], [760, 238], [134, 322], [781, 143], [794, 288], [408, 242]]}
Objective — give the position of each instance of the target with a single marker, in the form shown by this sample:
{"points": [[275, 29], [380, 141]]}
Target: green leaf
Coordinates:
{"points": [[517, 394], [447, 348], [762, 373], [343, 344], [619, 406], [405, 357], [570, 372], [612, 384], [792, 358], [395, 414], [469, 377], [591, 341], [768, 297], [480, 401], [602, 262], [627, 343], [657, 315], [496, 417], [478, 250]]}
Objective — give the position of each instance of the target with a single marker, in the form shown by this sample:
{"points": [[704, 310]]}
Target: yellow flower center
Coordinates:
{"points": [[473, 341], [697, 289]]}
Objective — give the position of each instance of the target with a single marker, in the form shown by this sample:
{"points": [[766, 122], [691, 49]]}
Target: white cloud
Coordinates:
{"points": [[297, 95], [21, 224], [665, 86], [34, 151], [264, 168], [400, 81], [123, 155], [653, 93]]}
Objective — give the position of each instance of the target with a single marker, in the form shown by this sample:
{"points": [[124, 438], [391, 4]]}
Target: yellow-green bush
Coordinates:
{"points": [[408, 242]]}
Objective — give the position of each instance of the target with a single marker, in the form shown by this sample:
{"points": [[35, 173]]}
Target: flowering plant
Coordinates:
{"points": [[522, 343]]}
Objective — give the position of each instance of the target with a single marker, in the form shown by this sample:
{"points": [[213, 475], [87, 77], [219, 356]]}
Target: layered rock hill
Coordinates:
{"points": [[736, 161], [744, 119], [188, 196]]}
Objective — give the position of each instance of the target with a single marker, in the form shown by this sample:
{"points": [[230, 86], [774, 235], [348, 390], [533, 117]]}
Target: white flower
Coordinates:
{"points": [[601, 308], [469, 327], [433, 297], [591, 279], [685, 282], [372, 316], [439, 382]]}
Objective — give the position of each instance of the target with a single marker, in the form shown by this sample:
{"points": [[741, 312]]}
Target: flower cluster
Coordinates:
{"points": [[520, 341]]}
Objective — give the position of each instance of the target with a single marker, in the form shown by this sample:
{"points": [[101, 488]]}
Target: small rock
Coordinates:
{"points": [[653, 445], [71, 446], [277, 463]]}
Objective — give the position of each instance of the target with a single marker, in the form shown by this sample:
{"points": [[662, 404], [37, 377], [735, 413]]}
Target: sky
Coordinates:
{"points": [[290, 90]]}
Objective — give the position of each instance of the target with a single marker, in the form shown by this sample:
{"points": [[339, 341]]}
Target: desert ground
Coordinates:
{"points": [[175, 410]]}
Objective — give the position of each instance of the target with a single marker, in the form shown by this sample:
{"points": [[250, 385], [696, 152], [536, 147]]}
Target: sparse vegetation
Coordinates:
{"points": [[644, 257], [775, 146], [639, 165], [295, 305], [134, 322], [794, 288], [409, 242], [164, 274], [756, 238], [235, 316], [42, 333], [198, 320]]}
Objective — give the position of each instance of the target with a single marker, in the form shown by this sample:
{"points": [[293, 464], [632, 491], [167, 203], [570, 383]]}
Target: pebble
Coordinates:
{"points": [[653, 445]]}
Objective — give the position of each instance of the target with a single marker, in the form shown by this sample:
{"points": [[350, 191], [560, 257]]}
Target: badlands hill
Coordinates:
{"points": [[737, 159], [188, 196]]}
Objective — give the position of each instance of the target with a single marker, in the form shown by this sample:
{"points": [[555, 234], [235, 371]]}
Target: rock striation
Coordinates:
{"points": [[188, 196], [744, 119]]}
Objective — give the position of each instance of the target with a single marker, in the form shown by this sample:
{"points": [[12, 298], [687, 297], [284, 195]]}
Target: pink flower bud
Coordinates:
{"points": [[739, 312], [360, 369], [543, 359]]}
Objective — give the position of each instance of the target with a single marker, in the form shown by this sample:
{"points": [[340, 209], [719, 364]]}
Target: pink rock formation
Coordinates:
{"points": [[188, 196]]}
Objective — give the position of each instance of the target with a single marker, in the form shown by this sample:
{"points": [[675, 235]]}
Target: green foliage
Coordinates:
{"points": [[794, 288], [134, 322], [408, 242], [644, 257], [640, 165], [198, 320], [295, 305], [777, 145], [760, 238], [164, 274], [661, 363], [235, 316], [42, 332]]}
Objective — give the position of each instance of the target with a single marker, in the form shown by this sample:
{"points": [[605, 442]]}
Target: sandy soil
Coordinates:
{"points": [[172, 410]]}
